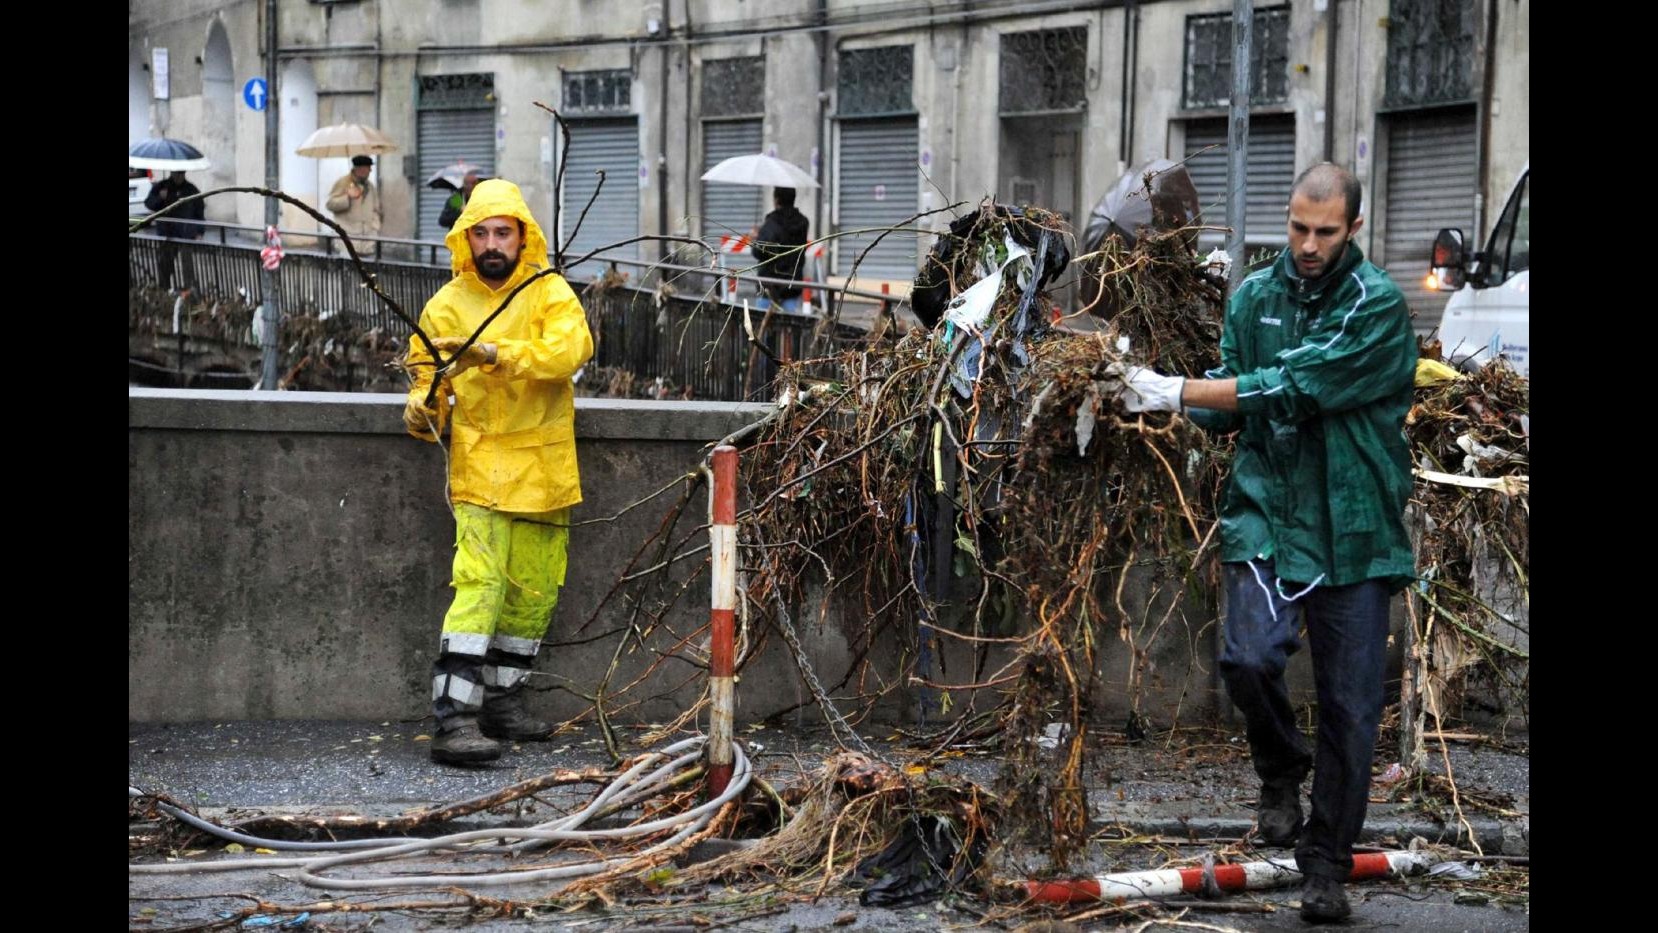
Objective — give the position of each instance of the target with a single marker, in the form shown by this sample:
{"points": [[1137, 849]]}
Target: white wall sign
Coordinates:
{"points": [[158, 72]]}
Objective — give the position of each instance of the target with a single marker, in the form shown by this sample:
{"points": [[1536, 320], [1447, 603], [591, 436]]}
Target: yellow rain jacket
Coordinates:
{"points": [[513, 427]]}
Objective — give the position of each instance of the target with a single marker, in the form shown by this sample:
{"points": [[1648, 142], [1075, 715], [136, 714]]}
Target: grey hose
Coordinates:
{"points": [[243, 838], [622, 790]]}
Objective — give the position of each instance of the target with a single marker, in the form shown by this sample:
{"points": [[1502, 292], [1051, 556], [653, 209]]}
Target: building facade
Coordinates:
{"points": [[898, 107]]}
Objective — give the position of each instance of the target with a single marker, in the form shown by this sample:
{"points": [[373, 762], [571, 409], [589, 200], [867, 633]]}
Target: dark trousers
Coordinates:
{"points": [[175, 266], [1347, 631]]}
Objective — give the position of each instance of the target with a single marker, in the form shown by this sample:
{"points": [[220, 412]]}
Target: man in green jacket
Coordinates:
{"points": [[1317, 360]]}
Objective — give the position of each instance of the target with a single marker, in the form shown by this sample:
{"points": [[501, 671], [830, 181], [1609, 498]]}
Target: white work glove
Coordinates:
{"points": [[479, 354], [1146, 389]]}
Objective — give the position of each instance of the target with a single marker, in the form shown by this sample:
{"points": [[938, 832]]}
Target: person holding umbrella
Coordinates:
{"points": [[457, 202], [160, 154], [176, 226], [355, 201], [780, 245]]}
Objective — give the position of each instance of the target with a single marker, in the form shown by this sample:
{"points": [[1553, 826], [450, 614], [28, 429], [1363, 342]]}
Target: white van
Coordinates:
{"points": [[1490, 313]]}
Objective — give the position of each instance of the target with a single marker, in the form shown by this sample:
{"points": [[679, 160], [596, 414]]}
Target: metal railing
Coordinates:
{"points": [[674, 325]]}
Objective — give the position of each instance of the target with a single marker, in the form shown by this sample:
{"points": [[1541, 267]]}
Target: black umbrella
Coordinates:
{"points": [[1167, 201], [169, 155]]}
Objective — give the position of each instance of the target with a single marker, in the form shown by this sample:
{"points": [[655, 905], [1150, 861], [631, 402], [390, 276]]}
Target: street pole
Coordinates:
{"points": [[722, 619], [1237, 135], [270, 321]]}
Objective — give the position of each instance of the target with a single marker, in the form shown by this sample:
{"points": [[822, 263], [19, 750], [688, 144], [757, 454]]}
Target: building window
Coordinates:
{"points": [[1209, 59], [1430, 52], [598, 92], [456, 92], [1044, 71], [875, 82], [734, 87]]}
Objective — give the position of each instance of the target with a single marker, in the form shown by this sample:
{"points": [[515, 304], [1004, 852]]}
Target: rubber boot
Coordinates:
{"points": [[504, 717], [459, 741]]}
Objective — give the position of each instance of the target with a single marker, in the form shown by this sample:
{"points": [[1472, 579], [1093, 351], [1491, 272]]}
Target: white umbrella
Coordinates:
{"points": [[762, 170], [345, 139], [453, 176]]}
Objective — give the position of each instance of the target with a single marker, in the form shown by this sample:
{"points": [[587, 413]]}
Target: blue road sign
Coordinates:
{"points": [[253, 93]]}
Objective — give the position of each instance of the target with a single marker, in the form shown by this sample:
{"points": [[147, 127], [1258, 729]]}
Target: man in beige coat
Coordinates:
{"points": [[355, 201]]}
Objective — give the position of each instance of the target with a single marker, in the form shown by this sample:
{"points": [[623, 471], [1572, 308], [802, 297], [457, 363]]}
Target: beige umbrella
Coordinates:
{"points": [[345, 139]]}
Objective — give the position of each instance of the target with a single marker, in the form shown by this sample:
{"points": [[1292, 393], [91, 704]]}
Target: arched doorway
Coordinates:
{"points": [[218, 124], [138, 95], [297, 176]]}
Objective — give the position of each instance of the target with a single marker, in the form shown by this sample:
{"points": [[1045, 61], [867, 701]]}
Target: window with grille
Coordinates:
{"points": [[1044, 71], [734, 87], [1430, 52], [456, 92], [875, 82], [1209, 59], [598, 92]]}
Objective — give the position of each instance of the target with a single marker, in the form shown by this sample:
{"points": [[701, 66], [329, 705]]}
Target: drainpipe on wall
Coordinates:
{"points": [[691, 171], [1124, 157], [1237, 137], [1133, 78], [821, 36], [662, 140], [1482, 140], [1330, 81]]}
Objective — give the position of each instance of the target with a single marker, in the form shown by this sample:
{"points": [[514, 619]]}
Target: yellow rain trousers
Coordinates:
{"points": [[512, 464], [507, 573]]}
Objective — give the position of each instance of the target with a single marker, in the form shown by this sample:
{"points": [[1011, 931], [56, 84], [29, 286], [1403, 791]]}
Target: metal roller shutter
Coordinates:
{"points": [[876, 187], [1268, 176], [729, 209], [1432, 174], [447, 137], [611, 145]]}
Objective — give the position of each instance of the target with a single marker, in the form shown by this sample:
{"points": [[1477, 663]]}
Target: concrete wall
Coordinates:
{"points": [[289, 553], [288, 557]]}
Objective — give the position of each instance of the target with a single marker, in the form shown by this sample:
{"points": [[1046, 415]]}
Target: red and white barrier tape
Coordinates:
{"points": [[271, 255]]}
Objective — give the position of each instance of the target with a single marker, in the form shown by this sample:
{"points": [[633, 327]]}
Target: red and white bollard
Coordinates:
{"points": [[1169, 882], [722, 539]]}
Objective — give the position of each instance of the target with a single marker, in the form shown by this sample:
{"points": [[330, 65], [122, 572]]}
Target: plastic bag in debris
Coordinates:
{"points": [[970, 308], [1456, 871], [921, 865], [1433, 372], [957, 252]]}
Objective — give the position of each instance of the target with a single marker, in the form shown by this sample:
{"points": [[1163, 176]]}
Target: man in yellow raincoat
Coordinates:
{"points": [[512, 465]]}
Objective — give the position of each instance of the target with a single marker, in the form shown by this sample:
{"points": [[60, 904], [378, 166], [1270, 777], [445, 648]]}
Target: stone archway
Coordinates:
{"points": [[139, 89], [298, 175], [218, 123]]}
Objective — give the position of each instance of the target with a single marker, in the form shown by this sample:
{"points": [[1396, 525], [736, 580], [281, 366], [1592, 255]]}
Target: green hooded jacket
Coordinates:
{"points": [[1322, 470]]}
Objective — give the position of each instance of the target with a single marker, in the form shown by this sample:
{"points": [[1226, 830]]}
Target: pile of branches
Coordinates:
{"points": [[338, 354], [151, 312], [992, 449], [314, 353], [1470, 438], [856, 818]]}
